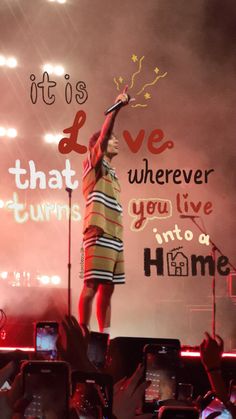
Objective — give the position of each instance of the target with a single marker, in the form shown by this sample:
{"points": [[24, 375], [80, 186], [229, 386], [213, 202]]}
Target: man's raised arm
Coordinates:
{"points": [[100, 147]]}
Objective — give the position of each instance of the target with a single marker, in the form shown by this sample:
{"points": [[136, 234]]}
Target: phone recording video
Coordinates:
{"points": [[47, 385], [161, 368], [6, 386], [91, 396], [97, 349], [46, 334], [185, 391], [232, 391], [178, 412]]}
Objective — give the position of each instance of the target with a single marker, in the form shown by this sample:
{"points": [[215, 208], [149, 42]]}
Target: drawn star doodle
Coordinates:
{"points": [[145, 94]]}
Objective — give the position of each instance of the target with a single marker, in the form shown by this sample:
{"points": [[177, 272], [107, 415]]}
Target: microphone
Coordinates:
{"points": [[117, 105], [189, 216], [69, 190]]}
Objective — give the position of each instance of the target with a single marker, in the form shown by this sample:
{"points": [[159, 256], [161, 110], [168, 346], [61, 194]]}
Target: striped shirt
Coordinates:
{"points": [[101, 190]]}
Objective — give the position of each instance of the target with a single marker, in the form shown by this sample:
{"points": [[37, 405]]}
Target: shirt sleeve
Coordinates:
{"points": [[96, 154]]}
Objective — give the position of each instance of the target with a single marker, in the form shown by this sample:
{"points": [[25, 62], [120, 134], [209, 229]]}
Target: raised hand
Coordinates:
{"points": [[124, 97], [211, 351], [128, 395], [75, 351]]}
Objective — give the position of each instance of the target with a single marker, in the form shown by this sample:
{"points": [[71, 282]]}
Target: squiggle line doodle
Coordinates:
{"points": [[138, 105], [137, 72], [152, 83], [116, 83], [147, 96]]}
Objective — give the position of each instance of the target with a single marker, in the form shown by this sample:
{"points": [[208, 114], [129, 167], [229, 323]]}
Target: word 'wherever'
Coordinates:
{"points": [[163, 176]]}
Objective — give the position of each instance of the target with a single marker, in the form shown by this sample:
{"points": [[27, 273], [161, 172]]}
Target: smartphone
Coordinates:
{"points": [[47, 385], [178, 412], [92, 395], [232, 391], [97, 349], [46, 334], [185, 391], [161, 365], [211, 406], [6, 386]]}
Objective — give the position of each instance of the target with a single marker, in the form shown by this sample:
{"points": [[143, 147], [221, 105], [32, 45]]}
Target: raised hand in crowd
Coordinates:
{"points": [[12, 402], [128, 395], [211, 350], [75, 350]]}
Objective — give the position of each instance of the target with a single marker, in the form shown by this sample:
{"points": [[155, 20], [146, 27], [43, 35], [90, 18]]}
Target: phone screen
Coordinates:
{"points": [[46, 339], [185, 391], [97, 348], [178, 412], [215, 409], [48, 388], [233, 392], [92, 396], [161, 365], [5, 386]]}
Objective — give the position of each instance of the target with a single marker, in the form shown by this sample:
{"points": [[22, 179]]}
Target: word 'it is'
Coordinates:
{"points": [[47, 86]]}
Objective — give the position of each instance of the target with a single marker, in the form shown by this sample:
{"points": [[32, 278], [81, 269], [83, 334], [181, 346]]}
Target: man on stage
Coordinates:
{"points": [[102, 240]]}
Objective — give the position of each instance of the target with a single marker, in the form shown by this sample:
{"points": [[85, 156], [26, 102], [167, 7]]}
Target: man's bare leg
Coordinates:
{"points": [[85, 303], [105, 292]]}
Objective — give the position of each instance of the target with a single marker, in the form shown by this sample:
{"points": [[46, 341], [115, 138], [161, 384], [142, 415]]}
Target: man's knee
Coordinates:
{"points": [[89, 291], [106, 290]]}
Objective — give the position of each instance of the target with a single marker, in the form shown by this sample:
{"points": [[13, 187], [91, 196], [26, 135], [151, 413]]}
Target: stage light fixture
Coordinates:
{"points": [[52, 138], [1, 203], [58, 137], [55, 280], [2, 131], [11, 132], [11, 62], [14, 348], [8, 132], [44, 279], [59, 70], [17, 279], [25, 279], [2, 60], [48, 68], [4, 275], [58, 1], [49, 138]]}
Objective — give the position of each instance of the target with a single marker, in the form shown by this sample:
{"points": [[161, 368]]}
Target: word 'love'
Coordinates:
{"points": [[66, 145]]}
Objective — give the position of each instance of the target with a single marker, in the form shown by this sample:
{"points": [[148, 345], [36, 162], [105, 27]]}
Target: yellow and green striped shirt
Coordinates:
{"points": [[101, 190]]}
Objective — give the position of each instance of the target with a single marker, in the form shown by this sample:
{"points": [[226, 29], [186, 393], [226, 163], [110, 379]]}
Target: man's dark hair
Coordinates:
{"points": [[93, 139]]}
